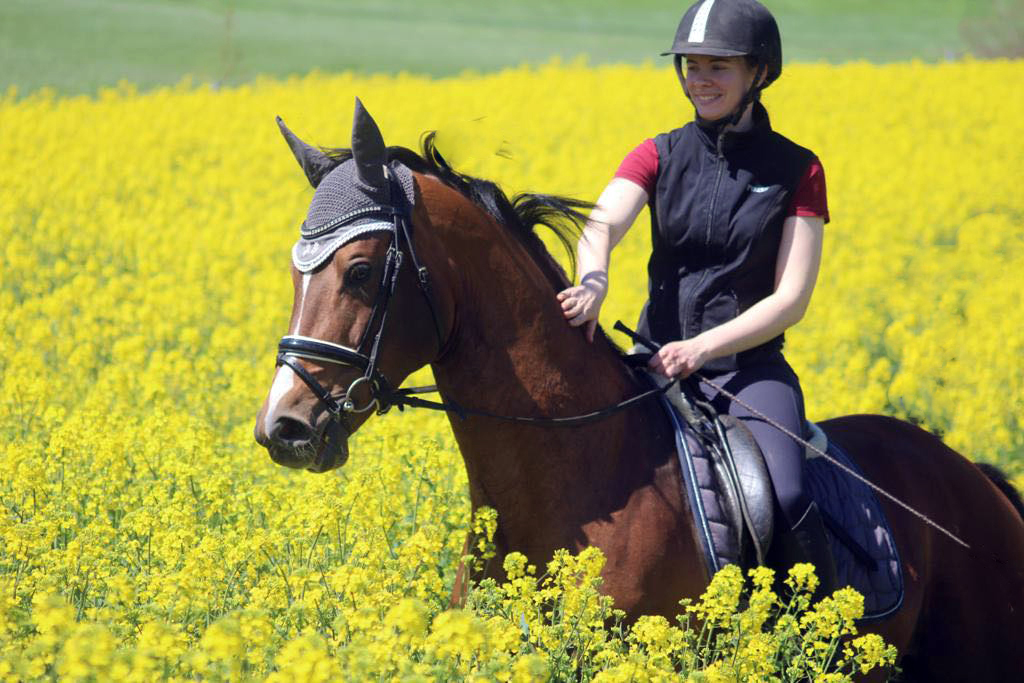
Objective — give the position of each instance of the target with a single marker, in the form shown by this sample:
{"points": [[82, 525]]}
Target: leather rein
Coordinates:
{"points": [[382, 395]]}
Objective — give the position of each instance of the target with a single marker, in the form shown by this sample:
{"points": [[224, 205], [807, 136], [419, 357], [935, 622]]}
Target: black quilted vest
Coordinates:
{"points": [[716, 223]]}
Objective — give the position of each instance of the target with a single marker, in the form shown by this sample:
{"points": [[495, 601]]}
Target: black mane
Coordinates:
{"points": [[520, 215]]}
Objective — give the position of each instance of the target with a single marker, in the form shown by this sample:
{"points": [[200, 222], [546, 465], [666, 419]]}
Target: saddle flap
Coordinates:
{"points": [[748, 479]]}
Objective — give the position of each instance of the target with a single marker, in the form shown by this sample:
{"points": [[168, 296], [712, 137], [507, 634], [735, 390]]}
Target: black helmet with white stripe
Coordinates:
{"points": [[731, 28]]}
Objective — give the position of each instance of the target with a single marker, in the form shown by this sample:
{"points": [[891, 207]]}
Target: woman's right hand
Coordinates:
{"points": [[615, 211], [582, 304]]}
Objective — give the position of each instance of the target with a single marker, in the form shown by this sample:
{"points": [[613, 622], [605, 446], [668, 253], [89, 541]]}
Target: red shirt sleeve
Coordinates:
{"points": [[641, 166], [810, 198]]}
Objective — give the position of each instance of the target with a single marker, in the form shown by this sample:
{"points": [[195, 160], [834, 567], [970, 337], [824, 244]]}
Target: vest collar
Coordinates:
{"points": [[760, 125]]}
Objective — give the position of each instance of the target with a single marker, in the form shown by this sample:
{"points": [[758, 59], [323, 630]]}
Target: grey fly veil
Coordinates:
{"points": [[355, 197], [349, 195]]}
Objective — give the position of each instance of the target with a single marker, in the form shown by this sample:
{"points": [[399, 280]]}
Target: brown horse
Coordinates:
{"points": [[471, 292]]}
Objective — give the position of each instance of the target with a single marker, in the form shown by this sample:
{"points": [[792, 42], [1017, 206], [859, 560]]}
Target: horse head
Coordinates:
{"points": [[358, 327]]}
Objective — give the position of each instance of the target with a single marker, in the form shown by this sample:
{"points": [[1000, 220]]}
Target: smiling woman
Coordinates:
{"points": [[716, 85], [737, 227]]}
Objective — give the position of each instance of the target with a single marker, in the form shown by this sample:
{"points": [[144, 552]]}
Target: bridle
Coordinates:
{"points": [[381, 394]]}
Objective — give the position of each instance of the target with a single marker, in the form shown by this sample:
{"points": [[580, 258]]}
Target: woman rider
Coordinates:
{"points": [[737, 216]]}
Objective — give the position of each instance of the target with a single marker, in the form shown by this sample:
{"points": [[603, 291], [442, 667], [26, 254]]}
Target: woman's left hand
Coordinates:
{"points": [[680, 358]]}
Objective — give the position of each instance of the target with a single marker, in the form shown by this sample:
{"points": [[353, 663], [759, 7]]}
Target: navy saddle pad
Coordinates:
{"points": [[872, 567]]}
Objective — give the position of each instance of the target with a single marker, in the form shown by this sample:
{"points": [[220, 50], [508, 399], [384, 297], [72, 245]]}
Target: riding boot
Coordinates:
{"points": [[808, 543], [814, 545]]}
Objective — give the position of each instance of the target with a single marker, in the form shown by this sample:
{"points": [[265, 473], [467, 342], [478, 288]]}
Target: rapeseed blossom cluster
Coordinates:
{"points": [[143, 287]]}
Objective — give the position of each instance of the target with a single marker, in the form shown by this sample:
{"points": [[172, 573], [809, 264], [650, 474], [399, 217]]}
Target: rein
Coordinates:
{"points": [[402, 398], [382, 395]]}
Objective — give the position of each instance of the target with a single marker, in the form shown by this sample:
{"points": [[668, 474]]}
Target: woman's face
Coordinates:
{"points": [[717, 84]]}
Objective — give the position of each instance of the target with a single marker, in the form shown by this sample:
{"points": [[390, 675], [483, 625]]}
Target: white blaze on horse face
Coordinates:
{"points": [[302, 304], [284, 380]]}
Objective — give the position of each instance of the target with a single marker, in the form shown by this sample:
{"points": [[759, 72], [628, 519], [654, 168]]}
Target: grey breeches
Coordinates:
{"points": [[773, 389]]}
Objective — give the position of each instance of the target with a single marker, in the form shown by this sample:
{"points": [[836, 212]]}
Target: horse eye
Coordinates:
{"points": [[358, 274]]}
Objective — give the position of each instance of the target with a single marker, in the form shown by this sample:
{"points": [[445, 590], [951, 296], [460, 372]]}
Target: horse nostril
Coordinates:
{"points": [[292, 432]]}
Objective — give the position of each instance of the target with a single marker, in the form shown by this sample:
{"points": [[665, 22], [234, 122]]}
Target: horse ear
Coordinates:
{"points": [[314, 163], [368, 148]]}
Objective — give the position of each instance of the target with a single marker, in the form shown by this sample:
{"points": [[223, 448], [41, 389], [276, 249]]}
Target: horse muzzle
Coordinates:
{"points": [[297, 444]]}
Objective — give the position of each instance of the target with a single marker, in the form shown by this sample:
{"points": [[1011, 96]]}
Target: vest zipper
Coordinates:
{"points": [[720, 160]]}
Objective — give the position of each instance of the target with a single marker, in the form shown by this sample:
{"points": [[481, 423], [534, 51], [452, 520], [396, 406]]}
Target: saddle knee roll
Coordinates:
{"points": [[752, 488]]}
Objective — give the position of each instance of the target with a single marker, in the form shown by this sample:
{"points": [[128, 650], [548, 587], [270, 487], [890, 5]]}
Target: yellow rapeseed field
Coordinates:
{"points": [[144, 269]]}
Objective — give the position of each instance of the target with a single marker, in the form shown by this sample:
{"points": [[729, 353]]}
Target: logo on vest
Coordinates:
{"points": [[759, 188]]}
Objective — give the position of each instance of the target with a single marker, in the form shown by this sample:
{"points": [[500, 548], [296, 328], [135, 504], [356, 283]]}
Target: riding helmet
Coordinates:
{"points": [[731, 28]]}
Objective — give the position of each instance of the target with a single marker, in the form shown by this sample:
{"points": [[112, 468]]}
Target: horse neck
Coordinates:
{"points": [[513, 353]]}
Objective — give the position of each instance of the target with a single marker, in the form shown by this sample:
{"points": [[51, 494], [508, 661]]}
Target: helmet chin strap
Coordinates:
{"points": [[718, 126]]}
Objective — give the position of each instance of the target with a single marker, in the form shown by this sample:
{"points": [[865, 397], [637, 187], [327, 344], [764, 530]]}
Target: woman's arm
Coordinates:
{"points": [[796, 272], [617, 207]]}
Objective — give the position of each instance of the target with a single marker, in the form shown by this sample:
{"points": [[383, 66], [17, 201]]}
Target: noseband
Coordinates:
{"points": [[381, 394]]}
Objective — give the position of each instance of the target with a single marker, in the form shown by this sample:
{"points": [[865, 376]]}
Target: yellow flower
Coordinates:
{"points": [[409, 619], [801, 578], [456, 633], [872, 651], [305, 660], [222, 644], [139, 512], [718, 603], [529, 669], [52, 616], [87, 654]]}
